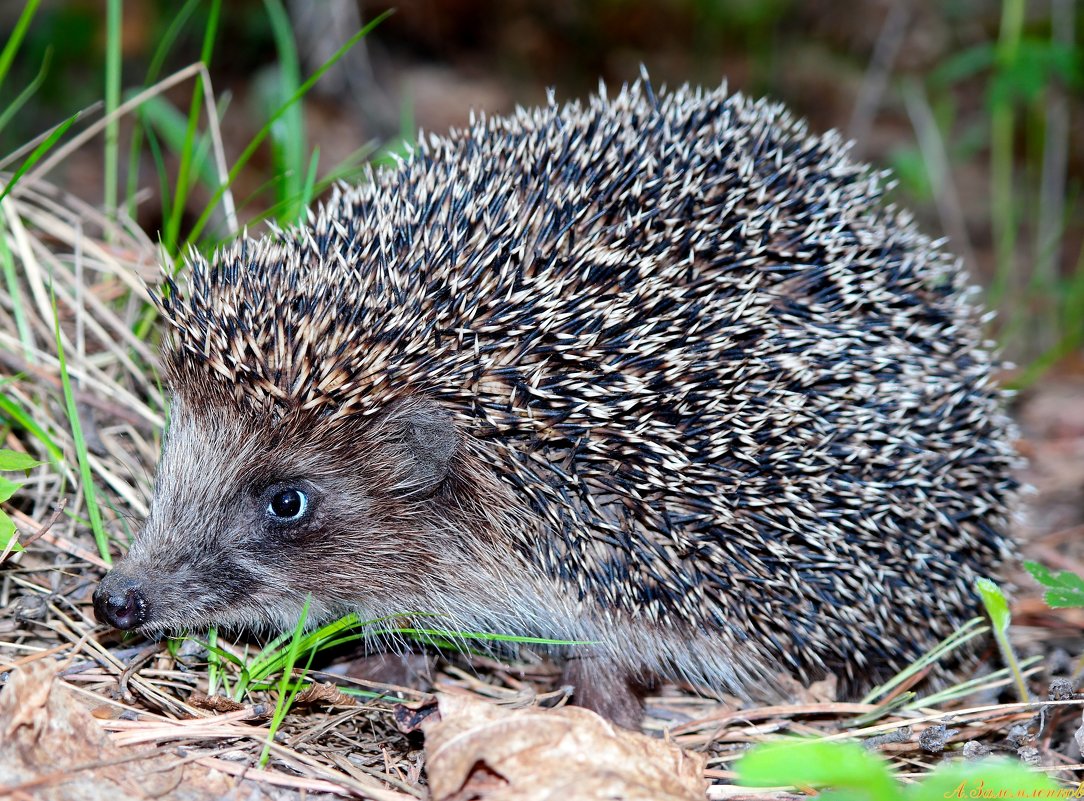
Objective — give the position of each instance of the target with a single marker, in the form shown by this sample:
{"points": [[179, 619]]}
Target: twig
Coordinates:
{"points": [[875, 79], [932, 146], [1050, 224]]}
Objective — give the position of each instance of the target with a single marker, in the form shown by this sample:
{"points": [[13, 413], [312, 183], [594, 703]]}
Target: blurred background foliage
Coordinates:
{"points": [[976, 105]]}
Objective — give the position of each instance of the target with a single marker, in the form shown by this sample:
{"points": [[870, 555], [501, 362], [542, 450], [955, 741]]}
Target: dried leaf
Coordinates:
{"points": [[327, 694], [479, 750], [53, 749], [213, 703]]}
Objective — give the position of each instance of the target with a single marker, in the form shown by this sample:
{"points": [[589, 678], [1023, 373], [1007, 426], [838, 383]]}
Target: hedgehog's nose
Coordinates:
{"points": [[119, 602]]}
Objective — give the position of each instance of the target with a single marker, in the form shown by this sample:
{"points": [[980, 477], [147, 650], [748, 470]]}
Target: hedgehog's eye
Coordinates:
{"points": [[288, 505]]}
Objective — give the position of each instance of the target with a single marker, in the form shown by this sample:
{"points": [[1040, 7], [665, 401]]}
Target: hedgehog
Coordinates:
{"points": [[660, 376]]}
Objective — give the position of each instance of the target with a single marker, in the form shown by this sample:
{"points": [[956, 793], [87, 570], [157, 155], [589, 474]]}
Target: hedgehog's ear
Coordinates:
{"points": [[429, 441]]}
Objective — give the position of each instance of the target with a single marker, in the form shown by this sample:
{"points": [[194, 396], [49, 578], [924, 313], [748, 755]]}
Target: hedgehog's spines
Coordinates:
{"points": [[730, 388]]}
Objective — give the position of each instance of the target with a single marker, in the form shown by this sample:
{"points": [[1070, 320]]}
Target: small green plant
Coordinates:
{"points": [[284, 652], [997, 606], [11, 461], [854, 774], [254, 671], [1027, 74], [1063, 589]]}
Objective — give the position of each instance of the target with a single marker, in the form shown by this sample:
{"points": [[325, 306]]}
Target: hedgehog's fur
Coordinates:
{"points": [[674, 382]]}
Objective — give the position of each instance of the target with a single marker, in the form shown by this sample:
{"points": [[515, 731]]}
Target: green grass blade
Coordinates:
{"points": [[968, 631], [43, 148], [245, 156], [453, 636], [888, 707], [351, 166], [7, 55], [213, 666], [89, 494], [1066, 346], [112, 100], [165, 45], [180, 194], [1071, 320], [285, 698], [12, 281], [965, 688], [211, 644], [288, 133], [1002, 127], [155, 148], [28, 92], [174, 127]]}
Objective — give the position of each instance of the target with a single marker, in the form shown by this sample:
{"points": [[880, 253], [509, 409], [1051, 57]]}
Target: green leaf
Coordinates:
{"points": [[963, 65], [26, 420], [817, 763], [1066, 589], [7, 488], [13, 460], [7, 529], [988, 778], [1063, 599], [997, 607], [1037, 64]]}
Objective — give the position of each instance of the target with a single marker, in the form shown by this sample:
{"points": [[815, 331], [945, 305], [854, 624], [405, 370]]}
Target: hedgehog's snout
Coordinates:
{"points": [[120, 602]]}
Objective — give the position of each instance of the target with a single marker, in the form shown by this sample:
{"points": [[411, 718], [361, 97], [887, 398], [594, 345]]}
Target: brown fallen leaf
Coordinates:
{"points": [[819, 692], [478, 750], [326, 694], [213, 703], [53, 749]]}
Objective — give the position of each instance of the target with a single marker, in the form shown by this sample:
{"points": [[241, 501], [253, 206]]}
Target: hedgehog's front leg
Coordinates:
{"points": [[608, 690]]}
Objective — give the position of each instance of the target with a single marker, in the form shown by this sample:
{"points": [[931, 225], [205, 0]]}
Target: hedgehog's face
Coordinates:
{"points": [[249, 518]]}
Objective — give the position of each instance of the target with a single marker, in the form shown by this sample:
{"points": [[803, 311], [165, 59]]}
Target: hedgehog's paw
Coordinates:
{"points": [[608, 690], [408, 670]]}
